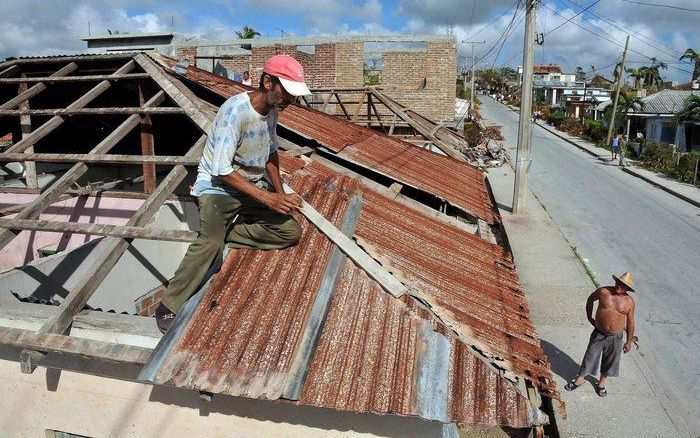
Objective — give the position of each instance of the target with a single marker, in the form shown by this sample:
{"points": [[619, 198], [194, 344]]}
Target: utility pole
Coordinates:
{"points": [[471, 97], [617, 93], [522, 160]]}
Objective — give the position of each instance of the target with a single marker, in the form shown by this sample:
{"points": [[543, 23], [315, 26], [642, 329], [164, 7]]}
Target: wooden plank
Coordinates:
{"points": [[394, 190], [375, 271], [300, 151], [312, 331], [84, 78], [49, 196], [108, 158], [325, 102], [147, 143], [25, 123], [484, 231], [345, 111], [91, 111], [38, 88], [56, 121], [183, 97], [53, 343], [100, 230], [76, 58], [9, 70], [359, 105]]}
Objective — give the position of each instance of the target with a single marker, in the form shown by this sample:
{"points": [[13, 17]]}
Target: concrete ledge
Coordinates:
{"points": [[692, 200]]}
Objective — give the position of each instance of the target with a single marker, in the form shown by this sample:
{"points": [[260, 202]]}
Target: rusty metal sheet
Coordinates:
{"points": [[242, 338], [470, 283], [458, 183], [379, 354]]}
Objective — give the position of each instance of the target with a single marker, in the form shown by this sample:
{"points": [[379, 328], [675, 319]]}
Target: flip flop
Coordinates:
{"points": [[572, 385], [602, 392]]}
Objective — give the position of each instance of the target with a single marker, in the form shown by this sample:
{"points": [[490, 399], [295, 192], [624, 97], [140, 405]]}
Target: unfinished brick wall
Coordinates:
{"points": [[423, 81], [238, 64], [147, 304], [186, 53]]}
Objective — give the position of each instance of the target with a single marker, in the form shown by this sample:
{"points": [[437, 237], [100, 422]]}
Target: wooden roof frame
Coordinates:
{"points": [[50, 336]]}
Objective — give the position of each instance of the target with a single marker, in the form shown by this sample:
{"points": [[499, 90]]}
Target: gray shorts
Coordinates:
{"points": [[604, 350]]}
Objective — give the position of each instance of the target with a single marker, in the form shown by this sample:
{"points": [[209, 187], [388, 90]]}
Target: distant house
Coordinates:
{"points": [[551, 72], [574, 98], [656, 120]]}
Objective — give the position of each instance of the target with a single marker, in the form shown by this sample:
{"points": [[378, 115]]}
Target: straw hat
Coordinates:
{"points": [[625, 279]]}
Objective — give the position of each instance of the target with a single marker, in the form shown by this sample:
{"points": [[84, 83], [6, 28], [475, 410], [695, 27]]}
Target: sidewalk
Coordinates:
{"points": [[556, 284], [684, 191]]}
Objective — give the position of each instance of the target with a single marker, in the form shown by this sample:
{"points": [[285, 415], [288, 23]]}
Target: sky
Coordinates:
{"points": [[593, 38]]}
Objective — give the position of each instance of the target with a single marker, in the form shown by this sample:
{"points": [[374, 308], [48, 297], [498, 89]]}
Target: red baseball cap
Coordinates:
{"points": [[289, 72]]}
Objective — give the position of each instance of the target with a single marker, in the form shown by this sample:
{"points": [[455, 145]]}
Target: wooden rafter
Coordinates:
{"points": [[25, 122], [147, 143], [84, 78], [92, 111], [38, 88], [100, 230], [57, 121], [165, 160], [9, 70]]}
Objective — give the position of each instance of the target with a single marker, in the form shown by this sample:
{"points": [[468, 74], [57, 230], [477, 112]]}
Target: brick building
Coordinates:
{"points": [[417, 71]]}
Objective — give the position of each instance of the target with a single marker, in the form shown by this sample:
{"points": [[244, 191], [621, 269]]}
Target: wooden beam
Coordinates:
{"points": [[85, 78], [38, 88], [181, 95], [325, 102], [78, 58], [56, 121], [345, 111], [359, 105], [88, 348], [107, 254], [25, 123], [91, 111], [100, 230], [159, 160], [49, 196], [376, 271], [9, 70], [147, 143]]}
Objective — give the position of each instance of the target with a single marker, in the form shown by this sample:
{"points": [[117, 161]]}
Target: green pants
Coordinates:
{"points": [[261, 228]]}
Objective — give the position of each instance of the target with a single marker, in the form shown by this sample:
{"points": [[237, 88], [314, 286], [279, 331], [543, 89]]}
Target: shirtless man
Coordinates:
{"points": [[614, 315]]}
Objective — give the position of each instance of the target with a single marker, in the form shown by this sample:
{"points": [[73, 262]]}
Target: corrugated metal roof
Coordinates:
{"points": [[665, 102], [458, 183], [375, 353]]}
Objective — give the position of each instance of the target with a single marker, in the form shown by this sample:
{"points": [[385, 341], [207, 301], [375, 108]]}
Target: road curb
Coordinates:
{"points": [[624, 169]]}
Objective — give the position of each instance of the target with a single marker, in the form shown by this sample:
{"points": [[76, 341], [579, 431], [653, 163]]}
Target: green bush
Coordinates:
{"points": [[472, 133], [594, 130], [661, 158], [556, 118]]}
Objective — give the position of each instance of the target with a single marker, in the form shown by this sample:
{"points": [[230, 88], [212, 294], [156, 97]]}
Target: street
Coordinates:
{"points": [[620, 223]]}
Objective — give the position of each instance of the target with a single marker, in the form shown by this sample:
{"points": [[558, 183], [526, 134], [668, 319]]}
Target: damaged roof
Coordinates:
{"points": [[374, 353], [458, 183]]}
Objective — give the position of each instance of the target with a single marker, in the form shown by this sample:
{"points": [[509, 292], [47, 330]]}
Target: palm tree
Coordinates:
{"points": [[637, 74], [626, 103], [652, 76], [694, 57], [247, 33], [617, 71], [690, 110]]}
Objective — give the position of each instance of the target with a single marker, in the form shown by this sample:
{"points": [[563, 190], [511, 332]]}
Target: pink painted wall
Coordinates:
{"points": [[95, 210]]}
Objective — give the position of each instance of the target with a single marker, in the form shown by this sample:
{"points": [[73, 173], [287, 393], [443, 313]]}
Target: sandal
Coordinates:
{"points": [[602, 392], [572, 385]]}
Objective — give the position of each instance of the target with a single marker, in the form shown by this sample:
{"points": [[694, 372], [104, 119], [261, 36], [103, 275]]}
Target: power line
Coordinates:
{"points": [[662, 6], [494, 20], [506, 38], [632, 33], [503, 34], [471, 18], [577, 14]]}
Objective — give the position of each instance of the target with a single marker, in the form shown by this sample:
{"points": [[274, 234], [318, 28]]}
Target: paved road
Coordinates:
{"points": [[621, 223]]}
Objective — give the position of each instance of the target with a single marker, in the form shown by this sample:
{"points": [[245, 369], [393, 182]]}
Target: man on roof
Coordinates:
{"points": [[238, 174], [614, 315]]}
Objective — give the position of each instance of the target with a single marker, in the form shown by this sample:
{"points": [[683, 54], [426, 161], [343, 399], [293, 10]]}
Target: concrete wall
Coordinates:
{"points": [[69, 400]]}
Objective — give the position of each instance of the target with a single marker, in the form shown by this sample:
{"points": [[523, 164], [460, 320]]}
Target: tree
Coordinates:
{"points": [[694, 57], [617, 71], [625, 103], [637, 74], [690, 110], [652, 76], [580, 74], [247, 33]]}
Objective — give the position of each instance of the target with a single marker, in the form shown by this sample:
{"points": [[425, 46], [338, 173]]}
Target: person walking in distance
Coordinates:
{"points": [[239, 174], [614, 315]]}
